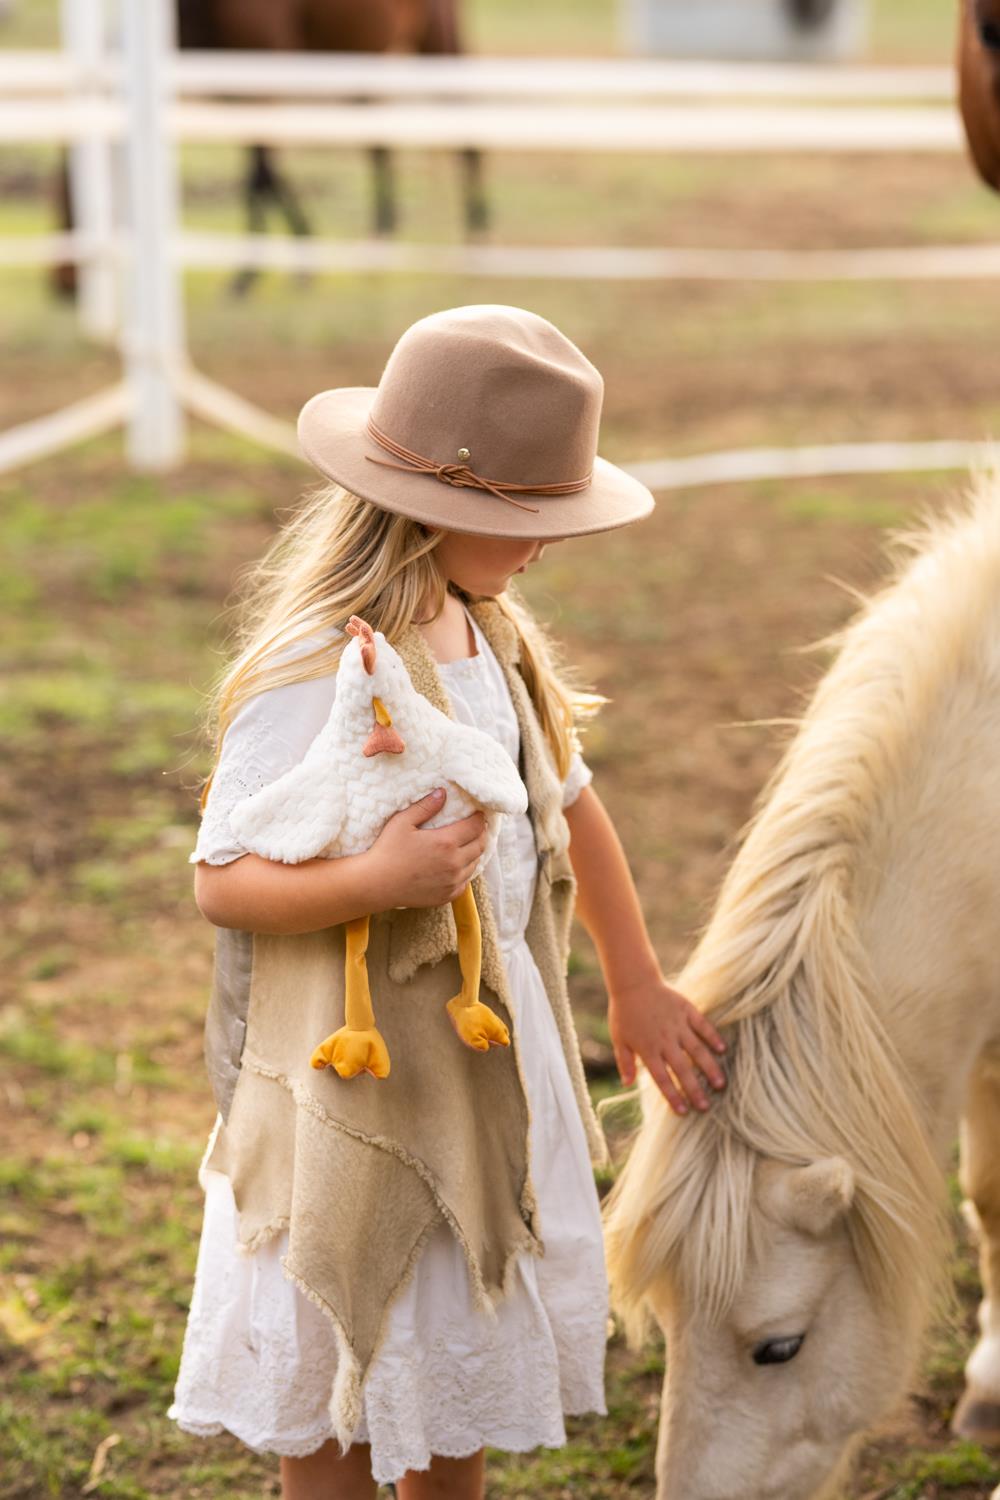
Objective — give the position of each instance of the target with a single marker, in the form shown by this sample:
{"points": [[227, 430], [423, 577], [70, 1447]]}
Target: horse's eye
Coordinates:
{"points": [[777, 1351]]}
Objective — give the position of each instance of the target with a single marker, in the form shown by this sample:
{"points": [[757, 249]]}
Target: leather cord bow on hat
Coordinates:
{"points": [[462, 476]]}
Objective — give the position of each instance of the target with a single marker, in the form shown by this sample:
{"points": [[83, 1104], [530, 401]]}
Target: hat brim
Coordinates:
{"points": [[333, 438]]}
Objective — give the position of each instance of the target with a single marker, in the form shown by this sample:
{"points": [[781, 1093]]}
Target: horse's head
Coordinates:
{"points": [[979, 84], [984, 16], [766, 1400], [787, 1241]]}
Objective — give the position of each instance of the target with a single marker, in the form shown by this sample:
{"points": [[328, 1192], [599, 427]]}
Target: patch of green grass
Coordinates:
{"points": [[835, 507], [44, 700], [51, 964], [157, 1156], [51, 1460], [580, 962], [149, 823], [100, 880], [109, 544], [576, 1468], [964, 1464], [138, 724], [38, 1044], [605, 1456]]}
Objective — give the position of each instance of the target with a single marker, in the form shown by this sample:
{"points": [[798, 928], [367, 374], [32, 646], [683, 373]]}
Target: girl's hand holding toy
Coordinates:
{"points": [[418, 866]]}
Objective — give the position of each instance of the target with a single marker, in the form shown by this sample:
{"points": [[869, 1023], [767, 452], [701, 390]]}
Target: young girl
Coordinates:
{"points": [[476, 450]]}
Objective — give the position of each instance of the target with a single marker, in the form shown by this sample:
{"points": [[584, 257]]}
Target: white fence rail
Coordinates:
{"points": [[216, 252], [337, 75], [680, 129]]}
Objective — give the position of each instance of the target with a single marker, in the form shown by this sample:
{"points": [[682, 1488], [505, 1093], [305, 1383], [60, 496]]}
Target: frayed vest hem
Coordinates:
{"points": [[484, 1299]]}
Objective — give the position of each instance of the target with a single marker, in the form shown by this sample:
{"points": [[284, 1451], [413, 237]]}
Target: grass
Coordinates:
{"points": [[106, 962], [926, 1474]]}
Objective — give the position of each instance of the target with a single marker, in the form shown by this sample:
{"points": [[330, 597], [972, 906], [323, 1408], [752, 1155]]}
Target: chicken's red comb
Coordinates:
{"points": [[357, 626]]}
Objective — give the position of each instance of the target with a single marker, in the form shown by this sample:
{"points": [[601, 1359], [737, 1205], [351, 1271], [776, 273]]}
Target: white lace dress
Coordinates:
{"points": [[259, 1358]]}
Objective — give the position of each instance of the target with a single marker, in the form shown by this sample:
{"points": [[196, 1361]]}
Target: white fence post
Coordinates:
{"points": [[90, 191], [153, 337]]}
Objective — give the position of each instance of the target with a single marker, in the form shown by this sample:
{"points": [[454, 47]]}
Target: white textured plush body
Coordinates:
{"points": [[337, 800]]}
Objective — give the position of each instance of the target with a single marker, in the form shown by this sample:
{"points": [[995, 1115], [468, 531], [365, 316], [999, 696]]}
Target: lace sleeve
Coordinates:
{"points": [[271, 733], [578, 776]]}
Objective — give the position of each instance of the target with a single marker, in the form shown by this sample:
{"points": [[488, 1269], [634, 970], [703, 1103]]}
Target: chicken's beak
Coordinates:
{"points": [[383, 738]]}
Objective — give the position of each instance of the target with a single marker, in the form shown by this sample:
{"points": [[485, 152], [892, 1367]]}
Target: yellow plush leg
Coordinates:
{"points": [[475, 1023], [358, 1047]]}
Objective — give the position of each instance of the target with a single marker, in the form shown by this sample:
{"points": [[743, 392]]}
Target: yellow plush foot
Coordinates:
{"points": [[350, 1052], [477, 1025]]}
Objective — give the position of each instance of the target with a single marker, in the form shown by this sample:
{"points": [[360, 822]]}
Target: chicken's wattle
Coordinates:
{"points": [[384, 739]]}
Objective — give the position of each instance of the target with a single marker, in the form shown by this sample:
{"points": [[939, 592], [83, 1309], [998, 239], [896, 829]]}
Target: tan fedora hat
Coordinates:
{"points": [[485, 420]]}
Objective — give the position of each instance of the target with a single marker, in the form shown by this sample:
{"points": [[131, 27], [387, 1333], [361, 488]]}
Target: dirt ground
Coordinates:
{"points": [[106, 961]]}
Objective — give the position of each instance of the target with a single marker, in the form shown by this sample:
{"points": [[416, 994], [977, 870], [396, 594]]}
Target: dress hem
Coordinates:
{"points": [[302, 1448]]}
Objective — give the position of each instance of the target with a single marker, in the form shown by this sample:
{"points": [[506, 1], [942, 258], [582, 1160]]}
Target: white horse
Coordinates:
{"points": [[790, 1242]]}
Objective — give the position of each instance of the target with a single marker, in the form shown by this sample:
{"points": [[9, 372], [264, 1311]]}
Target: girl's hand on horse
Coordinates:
{"points": [[671, 1036], [415, 866]]}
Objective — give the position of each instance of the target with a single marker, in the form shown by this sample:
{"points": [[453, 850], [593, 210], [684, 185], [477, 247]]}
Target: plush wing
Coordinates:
{"points": [[481, 766], [297, 817]]}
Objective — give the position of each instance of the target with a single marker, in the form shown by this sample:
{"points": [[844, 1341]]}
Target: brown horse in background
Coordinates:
{"points": [[425, 27], [979, 84]]}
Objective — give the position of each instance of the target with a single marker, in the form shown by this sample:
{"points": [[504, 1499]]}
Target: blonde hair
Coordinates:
{"points": [[339, 555]]}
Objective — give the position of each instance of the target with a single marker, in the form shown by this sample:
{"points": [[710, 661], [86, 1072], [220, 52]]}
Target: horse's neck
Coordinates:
{"points": [[928, 902]]}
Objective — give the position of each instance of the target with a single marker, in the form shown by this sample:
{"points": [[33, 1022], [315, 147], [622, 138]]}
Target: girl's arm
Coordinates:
{"points": [[646, 1018], [408, 865], [262, 895]]}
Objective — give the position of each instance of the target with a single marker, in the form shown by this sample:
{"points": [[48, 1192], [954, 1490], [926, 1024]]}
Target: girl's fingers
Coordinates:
{"points": [[686, 1077], [624, 1061], [705, 1060], [665, 1083], [472, 830], [704, 1028]]}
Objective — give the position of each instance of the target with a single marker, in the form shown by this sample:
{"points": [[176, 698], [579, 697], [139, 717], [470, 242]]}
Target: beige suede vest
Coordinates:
{"points": [[360, 1171]]}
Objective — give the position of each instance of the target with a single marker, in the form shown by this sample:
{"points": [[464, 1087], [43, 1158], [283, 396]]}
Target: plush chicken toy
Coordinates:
{"points": [[384, 747]]}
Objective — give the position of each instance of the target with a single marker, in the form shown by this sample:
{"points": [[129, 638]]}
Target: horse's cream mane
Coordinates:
{"points": [[811, 1070]]}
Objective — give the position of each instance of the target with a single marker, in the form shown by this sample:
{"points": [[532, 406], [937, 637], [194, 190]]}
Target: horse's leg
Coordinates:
{"points": [[977, 1416], [477, 208], [264, 182], [384, 182], [278, 187], [254, 195], [441, 37], [63, 276]]}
